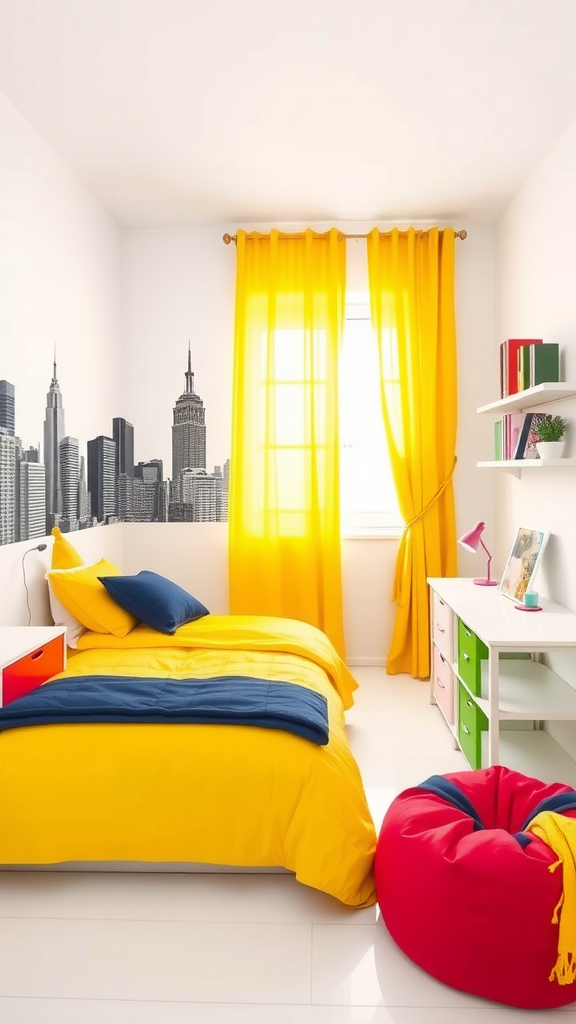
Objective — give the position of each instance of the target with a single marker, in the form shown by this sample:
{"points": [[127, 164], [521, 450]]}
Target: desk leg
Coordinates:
{"points": [[493, 707]]}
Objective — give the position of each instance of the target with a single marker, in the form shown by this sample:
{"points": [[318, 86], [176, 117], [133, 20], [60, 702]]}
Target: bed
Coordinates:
{"points": [[219, 794]]}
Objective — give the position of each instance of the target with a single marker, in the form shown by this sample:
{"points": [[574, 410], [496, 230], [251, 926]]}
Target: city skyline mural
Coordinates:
{"points": [[56, 484]]}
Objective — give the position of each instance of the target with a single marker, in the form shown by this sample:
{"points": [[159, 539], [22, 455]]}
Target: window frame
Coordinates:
{"points": [[391, 524]]}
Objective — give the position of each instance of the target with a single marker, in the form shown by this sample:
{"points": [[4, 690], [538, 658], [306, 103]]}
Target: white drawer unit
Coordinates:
{"points": [[443, 627], [489, 682], [443, 684]]}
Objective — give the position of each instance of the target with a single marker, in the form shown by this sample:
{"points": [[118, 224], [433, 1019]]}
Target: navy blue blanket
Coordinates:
{"points": [[229, 700]]}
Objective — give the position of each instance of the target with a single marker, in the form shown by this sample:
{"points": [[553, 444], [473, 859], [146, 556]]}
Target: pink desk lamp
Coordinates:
{"points": [[471, 541]]}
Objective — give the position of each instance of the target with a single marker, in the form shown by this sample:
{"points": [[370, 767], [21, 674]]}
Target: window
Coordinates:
{"points": [[369, 505], [291, 377]]}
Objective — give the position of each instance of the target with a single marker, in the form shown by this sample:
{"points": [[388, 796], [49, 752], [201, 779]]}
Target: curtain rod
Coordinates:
{"points": [[232, 238]]}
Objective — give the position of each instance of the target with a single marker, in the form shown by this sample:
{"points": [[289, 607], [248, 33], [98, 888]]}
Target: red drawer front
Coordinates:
{"points": [[443, 688], [33, 670]]}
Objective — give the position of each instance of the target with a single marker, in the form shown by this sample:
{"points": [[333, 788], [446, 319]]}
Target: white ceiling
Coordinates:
{"points": [[188, 112]]}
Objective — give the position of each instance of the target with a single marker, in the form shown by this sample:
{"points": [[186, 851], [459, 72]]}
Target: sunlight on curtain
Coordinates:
{"points": [[284, 519], [411, 277]]}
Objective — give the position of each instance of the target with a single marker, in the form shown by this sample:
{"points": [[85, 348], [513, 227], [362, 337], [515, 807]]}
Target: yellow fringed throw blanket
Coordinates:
{"points": [[559, 833]]}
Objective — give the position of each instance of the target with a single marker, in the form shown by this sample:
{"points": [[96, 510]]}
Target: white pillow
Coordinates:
{"points": [[61, 615]]}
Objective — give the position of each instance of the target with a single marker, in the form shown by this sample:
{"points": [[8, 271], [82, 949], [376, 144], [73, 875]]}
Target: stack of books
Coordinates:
{"points": [[525, 362], [515, 436]]}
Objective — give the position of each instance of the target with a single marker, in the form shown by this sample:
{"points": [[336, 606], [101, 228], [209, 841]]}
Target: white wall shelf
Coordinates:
{"points": [[531, 398], [518, 464]]}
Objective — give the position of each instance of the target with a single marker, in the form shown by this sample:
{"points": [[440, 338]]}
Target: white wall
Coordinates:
{"points": [[197, 558], [478, 383], [536, 288], [121, 307], [179, 285], [536, 284], [59, 284], [19, 574]]}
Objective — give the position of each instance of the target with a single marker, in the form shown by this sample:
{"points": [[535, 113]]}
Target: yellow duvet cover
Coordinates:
{"points": [[216, 794]]}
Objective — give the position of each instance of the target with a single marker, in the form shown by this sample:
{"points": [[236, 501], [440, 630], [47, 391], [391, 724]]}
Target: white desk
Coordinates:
{"points": [[510, 689]]}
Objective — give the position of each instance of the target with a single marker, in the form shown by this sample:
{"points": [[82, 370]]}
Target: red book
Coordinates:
{"points": [[511, 367]]}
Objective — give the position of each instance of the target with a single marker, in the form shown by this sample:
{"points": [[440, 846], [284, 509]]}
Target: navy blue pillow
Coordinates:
{"points": [[153, 599]]}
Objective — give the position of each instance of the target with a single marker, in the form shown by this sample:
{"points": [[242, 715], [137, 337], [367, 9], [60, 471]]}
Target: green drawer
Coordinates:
{"points": [[471, 651], [472, 722]]}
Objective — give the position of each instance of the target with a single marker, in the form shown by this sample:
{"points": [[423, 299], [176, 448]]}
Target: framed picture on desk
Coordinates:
{"points": [[523, 563]]}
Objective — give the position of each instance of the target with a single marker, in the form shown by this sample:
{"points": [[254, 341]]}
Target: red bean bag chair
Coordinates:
{"points": [[467, 893]]}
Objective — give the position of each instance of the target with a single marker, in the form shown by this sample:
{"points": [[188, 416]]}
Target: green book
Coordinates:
{"points": [[544, 363], [498, 440]]}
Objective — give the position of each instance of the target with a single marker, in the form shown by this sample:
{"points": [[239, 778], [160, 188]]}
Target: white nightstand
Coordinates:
{"points": [[29, 655]]}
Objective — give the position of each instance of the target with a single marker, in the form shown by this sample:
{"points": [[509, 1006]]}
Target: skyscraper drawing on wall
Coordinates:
{"points": [[59, 486], [7, 407], [31, 490], [69, 459], [7, 487], [123, 437], [84, 509], [53, 433], [102, 477], [189, 429], [197, 496], [7, 464]]}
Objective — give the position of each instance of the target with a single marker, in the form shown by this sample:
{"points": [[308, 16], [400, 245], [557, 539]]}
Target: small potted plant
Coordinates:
{"points": [[551, 437]]}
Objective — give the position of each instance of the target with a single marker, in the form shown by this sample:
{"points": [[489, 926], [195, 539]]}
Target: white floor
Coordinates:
{"points": [[117, 948]]}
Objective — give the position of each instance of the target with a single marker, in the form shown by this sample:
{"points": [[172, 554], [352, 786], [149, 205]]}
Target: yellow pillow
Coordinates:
{"points": [[64, 556], [82, 594]]}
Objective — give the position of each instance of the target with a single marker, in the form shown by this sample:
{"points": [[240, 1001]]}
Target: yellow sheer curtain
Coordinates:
{"points": [[411, 277], [284, 518]]}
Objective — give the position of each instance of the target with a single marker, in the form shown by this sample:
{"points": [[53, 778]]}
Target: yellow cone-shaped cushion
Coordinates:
{"points": [[64, 555]]}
